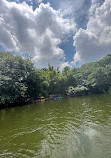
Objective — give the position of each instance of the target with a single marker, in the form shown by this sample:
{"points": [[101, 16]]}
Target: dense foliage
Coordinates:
{"points": [[21, 81]]}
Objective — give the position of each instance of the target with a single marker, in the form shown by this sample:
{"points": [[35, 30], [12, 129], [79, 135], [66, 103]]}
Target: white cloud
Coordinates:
{"points": [[63, 65], [37, 33], [94, 42], [70, 7]]}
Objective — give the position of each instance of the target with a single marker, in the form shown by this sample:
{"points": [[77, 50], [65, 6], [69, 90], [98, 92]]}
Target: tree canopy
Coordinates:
{"points": [[21, 81]]}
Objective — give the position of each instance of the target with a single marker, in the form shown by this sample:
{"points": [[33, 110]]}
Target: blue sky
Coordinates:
{"points": [[59, 32]]}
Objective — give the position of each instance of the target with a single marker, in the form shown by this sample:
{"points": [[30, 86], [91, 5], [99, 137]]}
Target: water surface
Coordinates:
{"points": [[69, 128]]}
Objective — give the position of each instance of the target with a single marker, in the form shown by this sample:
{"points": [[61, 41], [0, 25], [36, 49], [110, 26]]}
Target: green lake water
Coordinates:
{"points": [[69, 128]]}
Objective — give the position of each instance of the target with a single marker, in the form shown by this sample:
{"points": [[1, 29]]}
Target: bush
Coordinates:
{"points": [[77, 91]]}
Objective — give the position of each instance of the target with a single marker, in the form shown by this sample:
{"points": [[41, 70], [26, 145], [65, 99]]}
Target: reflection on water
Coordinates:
{"points": [[69, 128]]}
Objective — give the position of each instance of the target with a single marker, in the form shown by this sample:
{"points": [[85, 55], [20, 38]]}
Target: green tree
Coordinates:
{"points": [[19, 79]]}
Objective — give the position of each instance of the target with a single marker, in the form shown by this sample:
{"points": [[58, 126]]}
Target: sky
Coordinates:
{"points": [[59, 32]]}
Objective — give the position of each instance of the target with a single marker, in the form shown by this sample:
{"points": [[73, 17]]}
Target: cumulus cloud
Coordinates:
{"points": [[77, 9], [94, 42], [70, 7], [36, 32]]}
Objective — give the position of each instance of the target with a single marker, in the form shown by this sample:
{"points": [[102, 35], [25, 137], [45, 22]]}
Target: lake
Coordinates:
{"points": [[68, 128]]}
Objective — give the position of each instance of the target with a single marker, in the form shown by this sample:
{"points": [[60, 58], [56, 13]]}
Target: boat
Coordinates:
{"points": [[40, 99], [58, 98]]}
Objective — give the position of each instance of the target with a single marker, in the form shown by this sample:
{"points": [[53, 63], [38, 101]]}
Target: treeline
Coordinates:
{"points": [[21, 81]]}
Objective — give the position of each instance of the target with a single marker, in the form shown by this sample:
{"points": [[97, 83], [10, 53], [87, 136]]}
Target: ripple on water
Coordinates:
{"points": [[74, 128]]}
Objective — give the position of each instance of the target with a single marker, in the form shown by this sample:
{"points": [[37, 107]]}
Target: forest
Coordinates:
{"points": [[21, 81]]}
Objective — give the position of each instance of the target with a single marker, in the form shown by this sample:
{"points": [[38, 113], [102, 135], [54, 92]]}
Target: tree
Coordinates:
{"points": [[19, 79], [99, 80]]}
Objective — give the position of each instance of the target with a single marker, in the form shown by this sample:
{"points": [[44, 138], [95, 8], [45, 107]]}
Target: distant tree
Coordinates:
{"points": [[100, 81], [66, 70]]}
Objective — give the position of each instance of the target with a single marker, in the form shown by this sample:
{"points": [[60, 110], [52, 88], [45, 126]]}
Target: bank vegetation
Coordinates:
{"points": [[21, 82]]}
